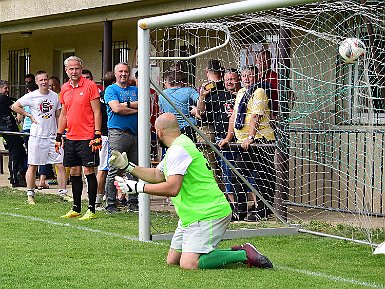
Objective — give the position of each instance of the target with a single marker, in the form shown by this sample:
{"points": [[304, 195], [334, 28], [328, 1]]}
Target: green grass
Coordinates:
{"points": [[40, 250]]}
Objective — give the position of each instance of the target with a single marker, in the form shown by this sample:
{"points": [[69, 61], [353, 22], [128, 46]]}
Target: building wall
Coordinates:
{"points": [[44, 48], [77, 25], [11, 10], [17, 16]]}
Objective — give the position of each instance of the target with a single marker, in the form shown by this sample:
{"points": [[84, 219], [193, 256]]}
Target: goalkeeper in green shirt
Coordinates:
{"points": [[203, 210]]}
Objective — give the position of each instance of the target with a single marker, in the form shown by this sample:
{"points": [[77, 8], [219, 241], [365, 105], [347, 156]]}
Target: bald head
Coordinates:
{"points": [[167, 122], [167, 128]]}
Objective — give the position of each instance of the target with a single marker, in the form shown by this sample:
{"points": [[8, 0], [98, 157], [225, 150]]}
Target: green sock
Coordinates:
{"points": [[219, 258]]}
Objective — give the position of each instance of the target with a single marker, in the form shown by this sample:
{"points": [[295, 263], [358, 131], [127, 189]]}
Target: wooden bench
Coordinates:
{"points": [[2, 154]]}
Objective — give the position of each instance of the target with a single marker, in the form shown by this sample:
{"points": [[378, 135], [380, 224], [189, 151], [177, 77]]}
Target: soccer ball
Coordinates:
{"points": [[351, 49]]}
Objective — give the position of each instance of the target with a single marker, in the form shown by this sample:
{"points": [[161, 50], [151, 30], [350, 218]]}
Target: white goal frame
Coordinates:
{"points": [[144, 27]]}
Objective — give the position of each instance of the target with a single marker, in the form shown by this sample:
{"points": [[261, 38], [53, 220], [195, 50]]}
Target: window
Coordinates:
{"points": [[367, 101], [19, 61], [249, 52], [120, 53], [180, 44], [64, 55]]}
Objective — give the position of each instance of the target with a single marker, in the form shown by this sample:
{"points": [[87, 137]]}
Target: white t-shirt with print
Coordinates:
{"points": [[43, 109]]}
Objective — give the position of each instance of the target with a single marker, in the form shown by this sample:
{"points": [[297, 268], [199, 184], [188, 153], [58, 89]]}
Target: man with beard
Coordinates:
{"points": [[122, 110], [203, 210]]}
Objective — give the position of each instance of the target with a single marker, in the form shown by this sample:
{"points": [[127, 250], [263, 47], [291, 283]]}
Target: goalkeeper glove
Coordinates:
{"points": [[96, 143], [128, 186], [58, 142], [120, 161]]}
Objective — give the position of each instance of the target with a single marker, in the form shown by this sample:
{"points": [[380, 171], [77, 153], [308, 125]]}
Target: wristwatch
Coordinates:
{"points": [[128, 104], [251, 137]]}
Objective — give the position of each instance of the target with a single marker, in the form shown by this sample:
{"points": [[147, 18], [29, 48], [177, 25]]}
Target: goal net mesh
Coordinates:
{"points": [[325, 169]]}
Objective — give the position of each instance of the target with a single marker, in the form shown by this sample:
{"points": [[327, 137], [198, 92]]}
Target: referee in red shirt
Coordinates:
{"points": [[81, 117]]}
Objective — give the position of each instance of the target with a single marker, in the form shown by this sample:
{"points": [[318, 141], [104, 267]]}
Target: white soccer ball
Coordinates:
{"points": [[351, 49]]}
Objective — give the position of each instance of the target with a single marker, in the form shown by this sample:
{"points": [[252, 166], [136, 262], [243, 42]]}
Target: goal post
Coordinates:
{"points": [[144, 27], [144, 133]]}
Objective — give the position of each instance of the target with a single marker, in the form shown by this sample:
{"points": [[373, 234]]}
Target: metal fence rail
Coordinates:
{"points": [[339, 170]]}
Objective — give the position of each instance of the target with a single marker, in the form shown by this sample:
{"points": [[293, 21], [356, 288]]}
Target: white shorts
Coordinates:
{"points": [[200, 237], [41, 151], [103, 155]]}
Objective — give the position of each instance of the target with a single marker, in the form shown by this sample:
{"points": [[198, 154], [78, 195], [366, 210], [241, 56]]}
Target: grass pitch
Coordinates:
{"points": [[40, 250]]}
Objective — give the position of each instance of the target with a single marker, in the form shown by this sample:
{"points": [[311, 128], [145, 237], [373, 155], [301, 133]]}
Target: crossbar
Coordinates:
{"points": [[216, 12]]}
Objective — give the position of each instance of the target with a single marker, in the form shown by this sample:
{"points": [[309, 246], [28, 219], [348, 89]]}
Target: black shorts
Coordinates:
{"points": [[78, 153]]}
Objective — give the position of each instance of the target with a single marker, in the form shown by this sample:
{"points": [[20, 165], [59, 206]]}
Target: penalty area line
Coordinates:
{"points": [[81, 228], [333, 278]]}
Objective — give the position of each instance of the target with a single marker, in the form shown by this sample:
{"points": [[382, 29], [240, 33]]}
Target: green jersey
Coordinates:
{"points": [[200, 197]]}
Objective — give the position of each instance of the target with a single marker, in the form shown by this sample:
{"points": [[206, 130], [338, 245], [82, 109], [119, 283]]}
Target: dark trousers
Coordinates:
{"points": [[17, 158], [256, 162]]}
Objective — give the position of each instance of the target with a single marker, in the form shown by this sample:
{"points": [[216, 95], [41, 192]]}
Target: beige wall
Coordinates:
{"points": [[77, 25], [20, 15], [11, 10], [85, 40]]}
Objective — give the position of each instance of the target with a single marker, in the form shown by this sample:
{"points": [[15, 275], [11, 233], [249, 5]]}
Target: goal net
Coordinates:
{"points": [[317, 155]]}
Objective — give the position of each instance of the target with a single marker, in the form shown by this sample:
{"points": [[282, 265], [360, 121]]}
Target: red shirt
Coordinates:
{"points": [[154, 108], [80, 115], [271, 77], [100, 87]]}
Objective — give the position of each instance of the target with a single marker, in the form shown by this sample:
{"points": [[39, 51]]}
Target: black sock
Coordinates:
{"points": [[92, 188], [77, 189]]}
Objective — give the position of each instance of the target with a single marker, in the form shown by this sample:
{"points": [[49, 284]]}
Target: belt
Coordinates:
{"points": [[123, 131]]}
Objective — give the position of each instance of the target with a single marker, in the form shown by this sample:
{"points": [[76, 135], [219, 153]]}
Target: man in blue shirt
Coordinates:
{"points": [[183, 97], [122, 110]]}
